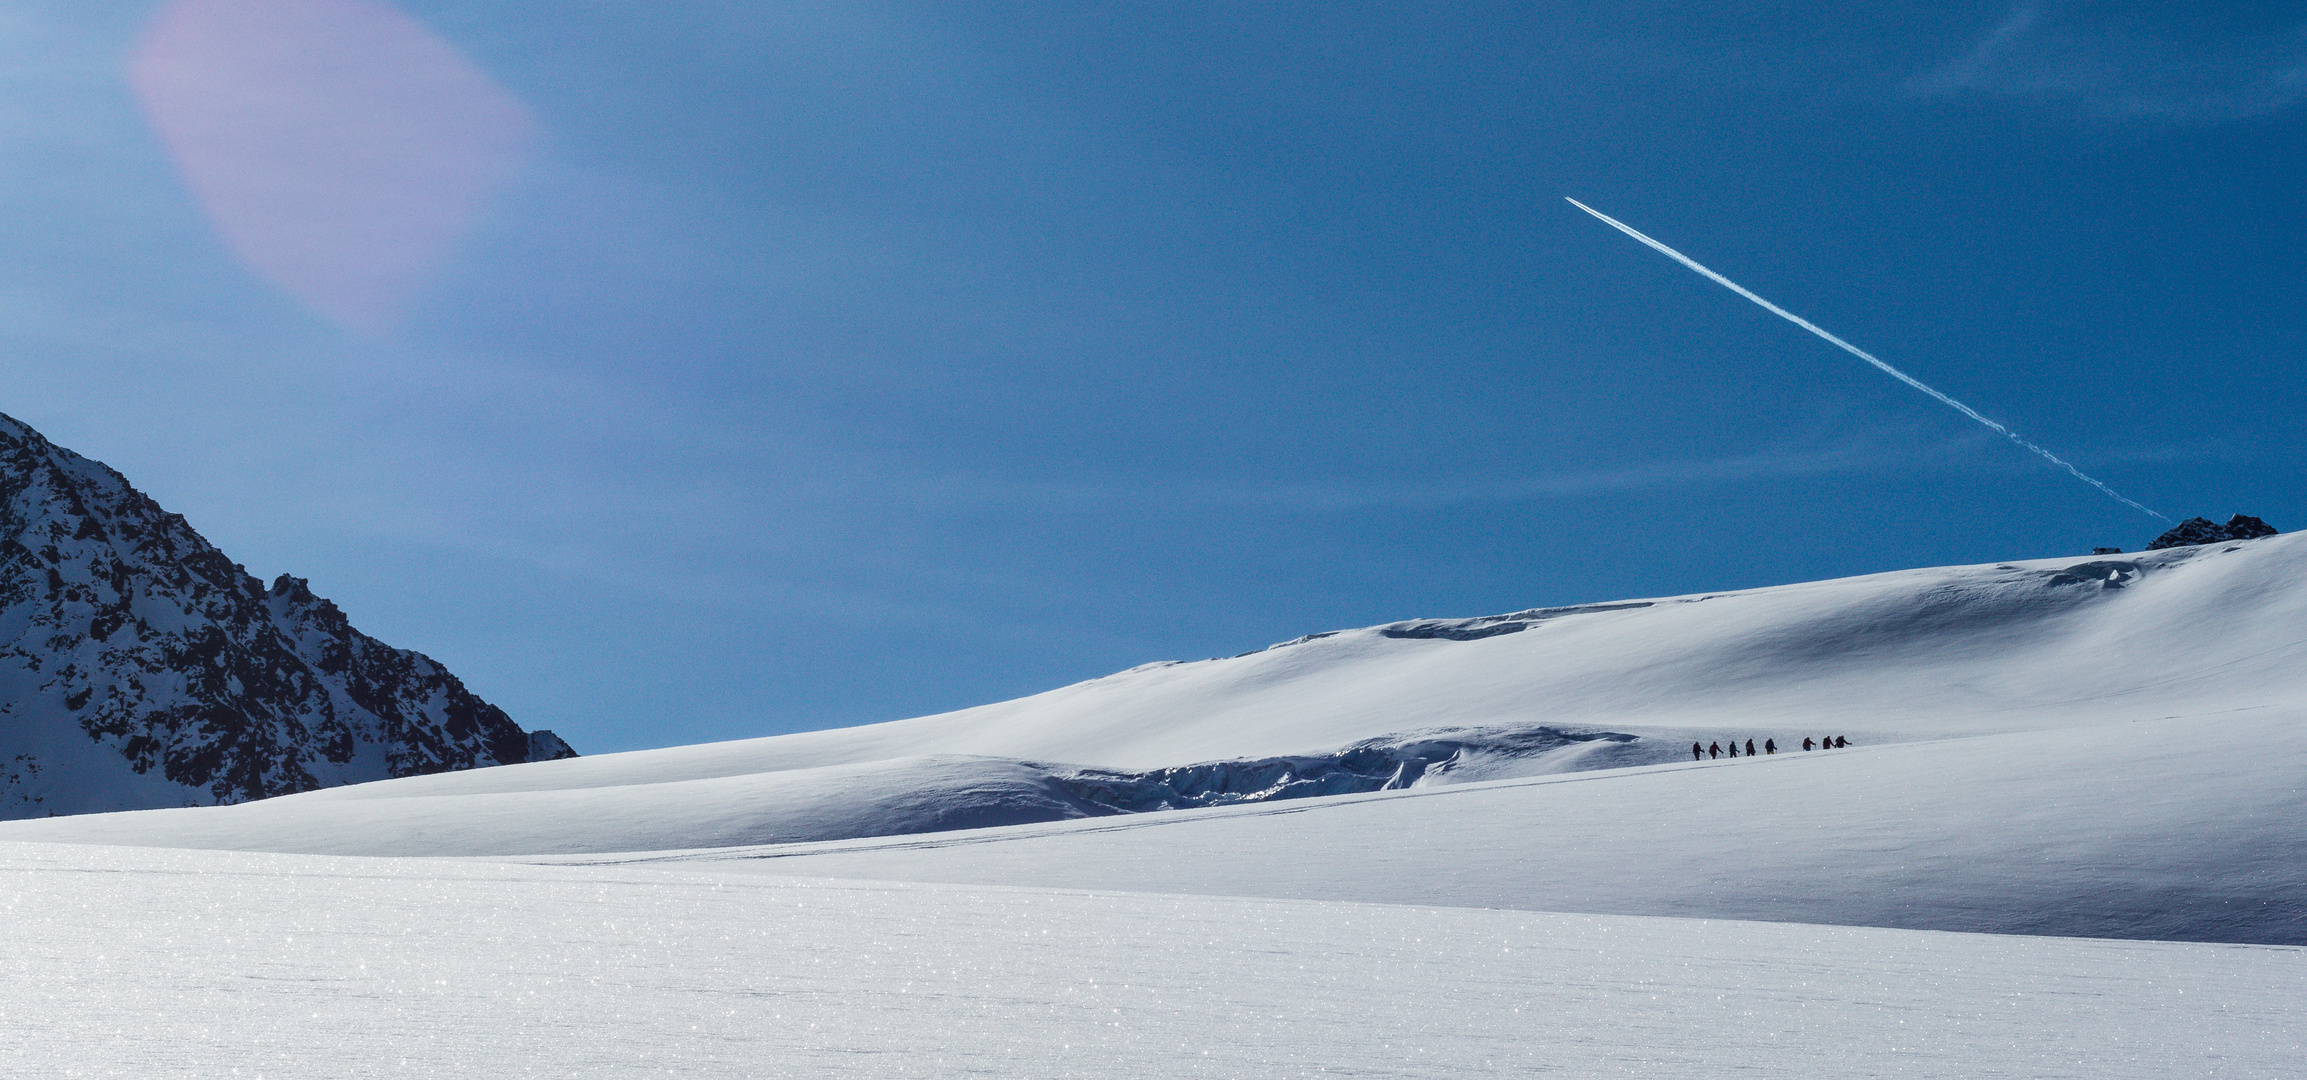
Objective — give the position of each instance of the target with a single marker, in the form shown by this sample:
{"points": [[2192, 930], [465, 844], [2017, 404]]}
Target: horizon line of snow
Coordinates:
{"points": [[1863, 355]]}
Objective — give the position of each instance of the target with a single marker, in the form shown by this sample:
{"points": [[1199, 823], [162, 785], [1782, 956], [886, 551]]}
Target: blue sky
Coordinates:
{"points": [[795, 365]]}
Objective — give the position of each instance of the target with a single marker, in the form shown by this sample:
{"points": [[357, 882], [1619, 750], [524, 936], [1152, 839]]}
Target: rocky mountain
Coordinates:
{"points": [[140, 667], [2196, 531]]}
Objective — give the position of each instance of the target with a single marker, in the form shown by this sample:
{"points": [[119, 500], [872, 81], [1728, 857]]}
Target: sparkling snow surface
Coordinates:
{"points": [[158, 963]]}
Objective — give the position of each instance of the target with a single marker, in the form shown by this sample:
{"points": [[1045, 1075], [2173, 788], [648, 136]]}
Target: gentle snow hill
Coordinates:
{"points": [[2050, 646], [142, 963], [2190, 829]]}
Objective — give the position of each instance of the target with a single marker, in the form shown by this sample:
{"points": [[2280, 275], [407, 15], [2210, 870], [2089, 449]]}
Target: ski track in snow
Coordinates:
{"points": [[154, 963]]}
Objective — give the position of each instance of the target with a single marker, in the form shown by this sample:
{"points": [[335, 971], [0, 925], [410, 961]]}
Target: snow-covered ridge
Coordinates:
{"points": [[141, 667]]}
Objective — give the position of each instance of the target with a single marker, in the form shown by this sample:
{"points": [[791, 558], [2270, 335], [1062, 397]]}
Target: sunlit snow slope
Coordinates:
{"points": [[2098, 746], [2132, 829]]}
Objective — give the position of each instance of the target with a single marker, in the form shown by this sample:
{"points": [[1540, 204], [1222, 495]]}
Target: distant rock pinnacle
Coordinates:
{"points": [[2197, 530]]}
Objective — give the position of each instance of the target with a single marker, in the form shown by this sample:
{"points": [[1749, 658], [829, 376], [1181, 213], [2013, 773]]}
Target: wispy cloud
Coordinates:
{"points": [[2174, 62], [1906, 452], [1358, 495]]}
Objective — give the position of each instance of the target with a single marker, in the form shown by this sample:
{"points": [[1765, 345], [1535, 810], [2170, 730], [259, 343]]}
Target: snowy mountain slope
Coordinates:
{"points": [[2104, 747], [1915, 654], [216, 964], [139, 666], [1920, 655]]}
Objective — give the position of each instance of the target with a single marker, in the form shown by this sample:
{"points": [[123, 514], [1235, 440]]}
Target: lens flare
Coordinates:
{"points": [[339, 148]]}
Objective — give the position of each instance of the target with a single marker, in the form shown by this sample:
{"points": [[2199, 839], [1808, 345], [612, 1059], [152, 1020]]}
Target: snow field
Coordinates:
{"points": [[163, 963]]}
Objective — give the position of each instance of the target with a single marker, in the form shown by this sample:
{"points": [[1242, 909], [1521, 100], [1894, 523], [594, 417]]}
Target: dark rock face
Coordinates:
{"points": [[2188, 533], [2197, 530], [2243, 527], [546, 746], [121, 624]]}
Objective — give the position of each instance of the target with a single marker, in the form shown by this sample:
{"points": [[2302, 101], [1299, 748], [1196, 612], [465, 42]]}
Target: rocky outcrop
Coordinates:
{"points": [[2195, 530], [122, 630], [546, 746]]}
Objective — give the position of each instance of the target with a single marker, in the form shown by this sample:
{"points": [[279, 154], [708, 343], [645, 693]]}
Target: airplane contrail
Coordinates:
{"points": [[1861, 354]]}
